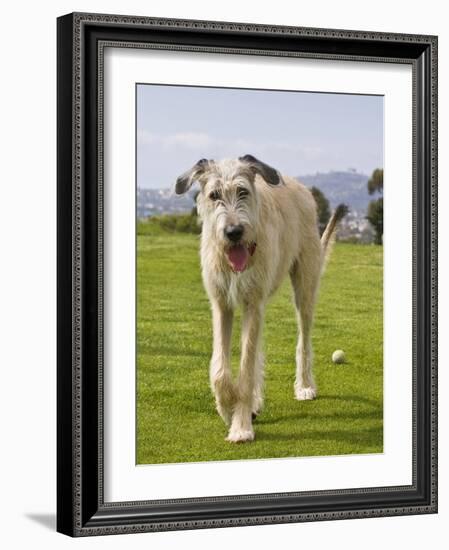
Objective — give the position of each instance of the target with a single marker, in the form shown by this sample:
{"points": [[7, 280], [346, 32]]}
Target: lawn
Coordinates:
{"points": [[176, 418]]}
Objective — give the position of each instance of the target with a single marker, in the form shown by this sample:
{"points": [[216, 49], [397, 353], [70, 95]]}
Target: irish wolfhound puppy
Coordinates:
{"points": [[257, 227]]}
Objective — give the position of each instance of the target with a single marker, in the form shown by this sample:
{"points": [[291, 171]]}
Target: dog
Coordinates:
{"points": [[257, 227]]}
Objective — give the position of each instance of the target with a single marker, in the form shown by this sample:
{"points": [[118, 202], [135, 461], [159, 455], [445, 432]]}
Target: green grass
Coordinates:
{"points": [[176, 418]]}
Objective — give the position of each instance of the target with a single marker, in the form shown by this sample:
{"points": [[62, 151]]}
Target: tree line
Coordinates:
{"points": [[188, 223], [375, 212]]}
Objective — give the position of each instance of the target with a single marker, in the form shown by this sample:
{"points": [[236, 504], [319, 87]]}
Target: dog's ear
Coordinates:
{"points": [[186, 180], [269, 174]]}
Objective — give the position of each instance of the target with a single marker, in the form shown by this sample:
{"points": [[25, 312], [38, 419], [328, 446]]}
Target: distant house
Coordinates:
{"points": [[159, 201]]}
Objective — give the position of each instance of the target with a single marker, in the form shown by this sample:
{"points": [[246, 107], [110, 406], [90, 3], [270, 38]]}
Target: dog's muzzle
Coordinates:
{"points": [[233, 232]]}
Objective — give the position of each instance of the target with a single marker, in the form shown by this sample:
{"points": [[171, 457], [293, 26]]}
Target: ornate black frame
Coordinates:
{"points": [[81, 510]]}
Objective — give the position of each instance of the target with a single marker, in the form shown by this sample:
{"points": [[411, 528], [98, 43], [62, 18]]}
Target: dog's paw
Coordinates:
{"points": [[240, 436], [304, 394]]}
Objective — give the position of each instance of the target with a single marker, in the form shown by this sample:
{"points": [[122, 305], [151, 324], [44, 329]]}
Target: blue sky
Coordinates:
{"points": [[298, 133]]}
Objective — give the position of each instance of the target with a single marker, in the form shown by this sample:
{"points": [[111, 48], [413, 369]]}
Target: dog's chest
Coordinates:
{"points": [[235, 288]]}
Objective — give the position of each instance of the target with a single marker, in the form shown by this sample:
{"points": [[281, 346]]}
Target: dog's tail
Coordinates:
{"points": [[328, 237]]}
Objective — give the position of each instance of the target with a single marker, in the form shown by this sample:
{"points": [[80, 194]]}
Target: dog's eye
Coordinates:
{"points": [[242, 192], [215, 196]]}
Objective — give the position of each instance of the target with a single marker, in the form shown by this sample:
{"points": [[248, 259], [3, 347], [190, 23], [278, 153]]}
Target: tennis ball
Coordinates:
{"points": [[338, 356]]}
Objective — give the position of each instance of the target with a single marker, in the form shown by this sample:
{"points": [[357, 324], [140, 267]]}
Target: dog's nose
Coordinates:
{"points": [[234, 232]]}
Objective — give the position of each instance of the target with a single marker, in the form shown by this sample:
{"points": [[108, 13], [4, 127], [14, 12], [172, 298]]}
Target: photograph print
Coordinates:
{"points": [[259, 274]]}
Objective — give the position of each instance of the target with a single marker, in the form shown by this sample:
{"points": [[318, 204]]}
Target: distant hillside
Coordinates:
{"points": [[348, 187], [153, 202]]}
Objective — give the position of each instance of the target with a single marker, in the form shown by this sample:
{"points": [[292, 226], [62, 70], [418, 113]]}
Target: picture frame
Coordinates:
{"points": [[81, 506]]}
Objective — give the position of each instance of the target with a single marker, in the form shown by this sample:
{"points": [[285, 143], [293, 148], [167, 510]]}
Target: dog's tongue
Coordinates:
{"points": [[238, 256]]}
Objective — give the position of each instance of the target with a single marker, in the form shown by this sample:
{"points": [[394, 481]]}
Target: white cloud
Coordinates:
{"points": [[199, 141], [145, 138], [187, 140]]}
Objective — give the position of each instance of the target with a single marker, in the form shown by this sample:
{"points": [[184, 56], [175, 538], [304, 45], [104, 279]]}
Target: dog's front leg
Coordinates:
{"points": [[241, 426], [220, 365]]}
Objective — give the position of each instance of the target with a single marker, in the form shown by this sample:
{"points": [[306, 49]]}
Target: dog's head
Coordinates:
{"points": [[228, 203]]}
